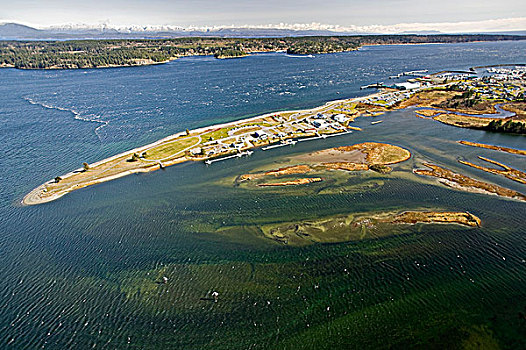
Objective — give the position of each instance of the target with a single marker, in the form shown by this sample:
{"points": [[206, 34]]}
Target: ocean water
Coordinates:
{"points": [[86, 271]]}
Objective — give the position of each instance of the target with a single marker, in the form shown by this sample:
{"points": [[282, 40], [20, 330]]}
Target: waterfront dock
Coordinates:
{"points": [[237, 155], [290, 143], [324, 136]]}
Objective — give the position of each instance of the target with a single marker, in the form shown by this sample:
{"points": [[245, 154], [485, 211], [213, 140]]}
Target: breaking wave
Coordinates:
{"points": [[91, 118]]}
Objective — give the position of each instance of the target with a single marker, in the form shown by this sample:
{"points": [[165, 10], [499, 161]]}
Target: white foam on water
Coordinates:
{"points": [[91, 118]]}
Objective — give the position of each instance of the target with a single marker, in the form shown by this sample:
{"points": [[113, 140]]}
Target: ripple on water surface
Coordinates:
{"points": [[87, 270]]}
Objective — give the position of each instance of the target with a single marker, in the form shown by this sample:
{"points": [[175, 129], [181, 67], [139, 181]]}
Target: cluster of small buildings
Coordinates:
{"points": [[237, 140], [214, 148], [389, 99], [501, 73], [493, 87], [455, 76], [322, 121]]}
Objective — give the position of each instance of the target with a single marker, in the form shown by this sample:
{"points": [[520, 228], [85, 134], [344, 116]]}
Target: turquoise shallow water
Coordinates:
{"points": [[85, 271]]}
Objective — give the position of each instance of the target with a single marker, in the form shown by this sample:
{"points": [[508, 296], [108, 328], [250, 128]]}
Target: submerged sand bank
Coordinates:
{"points": [[359, 226]]}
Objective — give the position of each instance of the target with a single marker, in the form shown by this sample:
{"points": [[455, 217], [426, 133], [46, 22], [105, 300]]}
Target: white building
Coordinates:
{"points": [[340, 118], [196, 151], [320, 124], [408, 86]]}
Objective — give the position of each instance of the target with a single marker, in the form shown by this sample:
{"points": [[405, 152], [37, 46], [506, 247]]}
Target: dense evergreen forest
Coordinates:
{"points": [[509, 126], [123, 52]]}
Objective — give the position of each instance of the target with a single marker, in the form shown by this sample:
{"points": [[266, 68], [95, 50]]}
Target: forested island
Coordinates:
{"points": [[76, 54]]}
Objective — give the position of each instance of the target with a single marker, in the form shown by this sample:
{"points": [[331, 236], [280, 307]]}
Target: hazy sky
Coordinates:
{"points": [[259, 12]]}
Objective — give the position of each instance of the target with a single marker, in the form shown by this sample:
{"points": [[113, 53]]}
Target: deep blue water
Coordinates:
{"points": [[73, 269]]}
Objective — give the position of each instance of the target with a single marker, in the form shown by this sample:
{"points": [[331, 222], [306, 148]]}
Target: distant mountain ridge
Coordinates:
{"points": [[15, 31]]}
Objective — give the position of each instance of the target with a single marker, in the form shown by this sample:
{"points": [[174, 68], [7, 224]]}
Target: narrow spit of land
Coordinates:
{"points": [[207, 143], [466, 183], [506, 171], [493, 147]]}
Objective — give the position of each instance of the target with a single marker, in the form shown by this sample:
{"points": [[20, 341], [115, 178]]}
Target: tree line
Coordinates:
{"points": [[126, 52]]}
